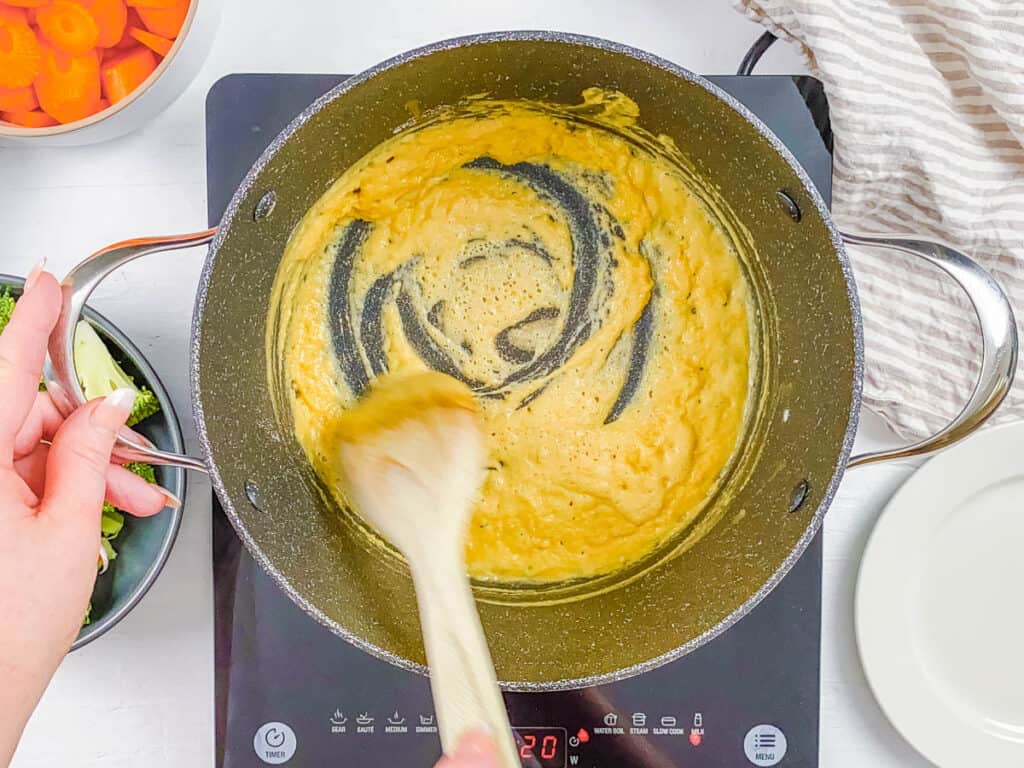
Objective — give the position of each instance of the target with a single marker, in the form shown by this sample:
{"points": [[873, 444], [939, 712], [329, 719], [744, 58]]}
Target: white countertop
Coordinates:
{"points": [[143, 695]]}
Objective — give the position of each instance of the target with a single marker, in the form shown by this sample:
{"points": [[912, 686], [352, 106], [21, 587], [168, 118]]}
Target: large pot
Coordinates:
{"points": [[791, 459]]}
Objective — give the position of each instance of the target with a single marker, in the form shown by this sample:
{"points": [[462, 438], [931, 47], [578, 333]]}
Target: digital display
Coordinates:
{"points": [[541, 747]]}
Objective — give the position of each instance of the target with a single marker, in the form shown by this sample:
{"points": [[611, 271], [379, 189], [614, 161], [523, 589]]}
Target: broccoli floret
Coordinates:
{"points": [[145, 471], [99, 374], [111, 522], [6, 308], [145, 405]]}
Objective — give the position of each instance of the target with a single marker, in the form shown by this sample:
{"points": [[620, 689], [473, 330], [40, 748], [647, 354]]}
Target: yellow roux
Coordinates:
{"points": [[520, 251]]}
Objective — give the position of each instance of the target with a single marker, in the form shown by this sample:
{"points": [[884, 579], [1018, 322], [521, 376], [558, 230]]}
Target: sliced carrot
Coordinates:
{"points": [[68, 26], [13, 15], [19, 55], [152, 3], [26, 3], [132, 19], [111, 17], [165, 22], [18, 99], [68, 86], [159, 45], [125, 72], [31, 119]]}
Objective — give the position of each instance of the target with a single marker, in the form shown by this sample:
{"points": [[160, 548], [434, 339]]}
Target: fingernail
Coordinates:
{"points": [[37, 270], [136, 437], [121, 399], [172, 501]]}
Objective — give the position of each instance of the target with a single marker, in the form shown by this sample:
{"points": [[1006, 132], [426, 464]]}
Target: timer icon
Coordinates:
{"points": [[274, 738], [274, 743]]}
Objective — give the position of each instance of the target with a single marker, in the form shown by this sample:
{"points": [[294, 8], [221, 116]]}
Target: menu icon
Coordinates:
{"points": [[765, 745], [765, 740]]}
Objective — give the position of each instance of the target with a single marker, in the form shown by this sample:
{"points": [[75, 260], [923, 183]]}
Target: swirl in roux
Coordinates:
{"points": [[564, 271]]}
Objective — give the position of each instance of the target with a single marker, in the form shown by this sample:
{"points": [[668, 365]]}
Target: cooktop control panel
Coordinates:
{"points": [[291, 693], [643, 741]]}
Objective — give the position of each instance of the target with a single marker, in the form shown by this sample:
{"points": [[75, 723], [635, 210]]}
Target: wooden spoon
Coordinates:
{"points": [[411, 458]]}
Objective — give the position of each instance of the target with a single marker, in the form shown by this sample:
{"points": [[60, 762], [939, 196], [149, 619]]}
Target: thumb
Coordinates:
{"points": [[475, 750], [76, 468]]}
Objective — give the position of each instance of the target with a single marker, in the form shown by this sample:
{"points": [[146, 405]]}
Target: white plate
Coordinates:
{"points": [[940, 604]]}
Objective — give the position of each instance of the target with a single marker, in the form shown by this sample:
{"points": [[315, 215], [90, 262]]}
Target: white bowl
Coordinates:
{"points": [[168, 81]]}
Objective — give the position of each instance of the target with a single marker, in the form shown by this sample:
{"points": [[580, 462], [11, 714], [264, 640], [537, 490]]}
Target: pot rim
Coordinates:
{"points": [[246, 186]]}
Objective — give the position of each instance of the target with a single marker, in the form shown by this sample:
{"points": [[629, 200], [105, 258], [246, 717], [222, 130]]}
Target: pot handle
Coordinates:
{"points": [[59, 371], [998, 337]]}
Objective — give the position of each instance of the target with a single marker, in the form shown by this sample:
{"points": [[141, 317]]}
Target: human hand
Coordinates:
{"points": [[475, 750], [54, 475]]}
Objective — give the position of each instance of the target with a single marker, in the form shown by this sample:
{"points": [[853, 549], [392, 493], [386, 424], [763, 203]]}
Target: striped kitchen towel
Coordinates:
{"points": [[927, 107]]}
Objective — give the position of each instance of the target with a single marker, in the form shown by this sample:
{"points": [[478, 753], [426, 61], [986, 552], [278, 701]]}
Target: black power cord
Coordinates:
{"points": [[762, 44], [810, 89]]}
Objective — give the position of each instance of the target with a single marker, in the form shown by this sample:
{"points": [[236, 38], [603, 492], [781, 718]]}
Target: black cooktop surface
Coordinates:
{"points": [[290, 692]]}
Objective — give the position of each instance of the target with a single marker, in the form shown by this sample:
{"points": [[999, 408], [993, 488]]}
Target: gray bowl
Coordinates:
{"points": [[145, 543]]}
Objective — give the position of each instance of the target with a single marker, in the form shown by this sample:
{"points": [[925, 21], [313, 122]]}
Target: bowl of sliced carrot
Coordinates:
{"points": [[82, 71]]}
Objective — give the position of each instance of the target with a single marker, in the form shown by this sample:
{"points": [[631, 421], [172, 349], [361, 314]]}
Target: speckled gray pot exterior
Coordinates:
{"points": [[799, 436], [144, 544]]}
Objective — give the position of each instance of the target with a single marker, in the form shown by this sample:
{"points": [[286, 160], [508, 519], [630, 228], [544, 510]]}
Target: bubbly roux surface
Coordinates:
{"points": [[567, 272]]}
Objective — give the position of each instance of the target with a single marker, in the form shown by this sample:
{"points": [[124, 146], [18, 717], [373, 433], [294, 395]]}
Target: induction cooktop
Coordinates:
{"points": [[289, 692]]}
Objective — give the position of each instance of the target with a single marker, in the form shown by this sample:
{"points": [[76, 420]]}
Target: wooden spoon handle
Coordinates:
{"points": [[466, 693]]}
